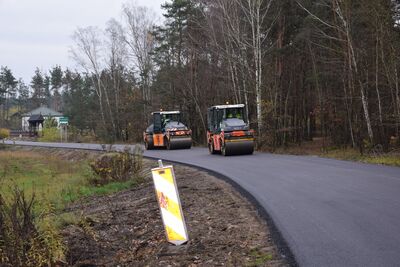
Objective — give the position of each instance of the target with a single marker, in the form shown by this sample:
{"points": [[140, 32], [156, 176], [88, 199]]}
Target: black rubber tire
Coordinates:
{"points": [[223, 150], [148, 146], [167, 144], [251, 152], [188, 147], [211, 149]]}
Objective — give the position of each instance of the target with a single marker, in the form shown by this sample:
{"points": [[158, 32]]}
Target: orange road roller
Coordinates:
{"points": [[228, 130], [167, 131]]}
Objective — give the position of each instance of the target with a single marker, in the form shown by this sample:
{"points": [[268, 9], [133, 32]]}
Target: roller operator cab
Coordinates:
{"points": [[228, 130], [167, 131]]}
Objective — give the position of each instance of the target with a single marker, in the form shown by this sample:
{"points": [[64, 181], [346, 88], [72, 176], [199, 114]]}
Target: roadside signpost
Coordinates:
{"points": [[63, 122], [169, 203]]}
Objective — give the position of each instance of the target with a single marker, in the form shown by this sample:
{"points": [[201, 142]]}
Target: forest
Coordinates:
{"points": [[306, 70]]}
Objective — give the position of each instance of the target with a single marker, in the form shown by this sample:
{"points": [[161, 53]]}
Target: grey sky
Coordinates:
{"points": [[37, 33]]}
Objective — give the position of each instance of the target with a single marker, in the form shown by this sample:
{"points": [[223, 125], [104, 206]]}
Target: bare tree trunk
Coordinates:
{"points": [[86, 54], [377, 81], [139, 22], [397, 102], [393, 84], [354, 66], [99, 94], [348, 111], [254, 13], [193, 85], [112, 119], [285, 116], [254, 7], [318, 92]]}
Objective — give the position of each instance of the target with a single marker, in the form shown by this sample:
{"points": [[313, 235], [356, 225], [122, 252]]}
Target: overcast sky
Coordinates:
{"points": [[37, 33]]}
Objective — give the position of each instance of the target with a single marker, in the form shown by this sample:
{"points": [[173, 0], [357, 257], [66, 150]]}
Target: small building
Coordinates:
{"points": [[33, 121]]}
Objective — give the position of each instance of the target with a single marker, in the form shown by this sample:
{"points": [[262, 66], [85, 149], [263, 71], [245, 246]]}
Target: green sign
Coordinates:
{"points": [[63, 120]]}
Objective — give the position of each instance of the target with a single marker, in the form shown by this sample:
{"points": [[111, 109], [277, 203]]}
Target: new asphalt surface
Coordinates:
{"points": [[329, 212]]}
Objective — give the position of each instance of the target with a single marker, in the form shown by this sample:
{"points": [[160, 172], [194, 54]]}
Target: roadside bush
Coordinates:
{"points": [[22, 241], [88, 138], [50, 132], [50, 123], [50, 135], [4, 133], [81, 136], [117, 166]]}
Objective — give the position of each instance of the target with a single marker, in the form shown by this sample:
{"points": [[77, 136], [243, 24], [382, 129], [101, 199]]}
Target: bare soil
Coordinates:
{"points": [[125, 229]]}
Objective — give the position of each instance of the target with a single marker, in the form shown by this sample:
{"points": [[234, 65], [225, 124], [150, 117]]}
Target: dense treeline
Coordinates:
{"points": [[304, 69]]}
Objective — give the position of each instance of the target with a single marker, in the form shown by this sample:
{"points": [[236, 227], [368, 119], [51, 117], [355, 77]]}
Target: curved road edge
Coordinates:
{"points": [[276, 235]]}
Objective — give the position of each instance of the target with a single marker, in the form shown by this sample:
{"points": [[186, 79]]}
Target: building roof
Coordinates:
{"points": [[36, 118], [16, 114], [228, 106], [45, 111], [166, 112]]}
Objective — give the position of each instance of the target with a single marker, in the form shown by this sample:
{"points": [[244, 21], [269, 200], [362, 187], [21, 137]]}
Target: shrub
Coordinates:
{"points": [[50, 135], [4, 133], [50, 123], [22, 241], [50, 132], [117, 167], [81, 136]]}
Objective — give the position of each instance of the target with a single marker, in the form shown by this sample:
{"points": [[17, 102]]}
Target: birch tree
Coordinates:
{"points": [[115, 61], [342, 32], [87, 53], [238, 42], [139, 23]]}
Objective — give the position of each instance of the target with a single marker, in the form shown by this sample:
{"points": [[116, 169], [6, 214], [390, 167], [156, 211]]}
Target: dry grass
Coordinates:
{"points": [[53, 180], [45, 175], [390, 159], [27, 238], [319, 148], [57, 177]]}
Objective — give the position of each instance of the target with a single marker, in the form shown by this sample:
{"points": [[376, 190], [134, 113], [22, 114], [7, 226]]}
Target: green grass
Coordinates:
{"points": [[259, 258], [73, 194], [54, 181], [354, 155], [315, 148]]}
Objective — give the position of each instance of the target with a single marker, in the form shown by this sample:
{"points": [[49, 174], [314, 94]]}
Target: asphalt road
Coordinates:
{"points": [[330, 212]]}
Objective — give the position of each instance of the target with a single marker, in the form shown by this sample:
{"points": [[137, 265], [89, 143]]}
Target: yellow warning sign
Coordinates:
{"points": [[170, 205]]}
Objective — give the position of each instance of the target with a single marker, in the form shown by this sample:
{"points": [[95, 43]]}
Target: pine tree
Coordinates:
{"points": [[56, 77], [7, 89], [171, 37], [23, 96], [47, 91], [39, 89]]}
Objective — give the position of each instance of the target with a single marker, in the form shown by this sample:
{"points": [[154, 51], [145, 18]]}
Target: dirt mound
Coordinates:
{"points": [[125, 229]]}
